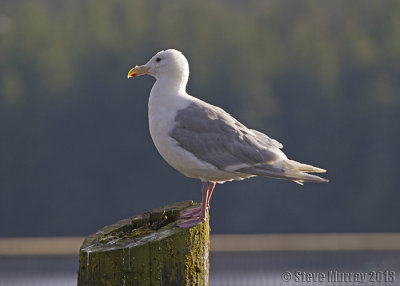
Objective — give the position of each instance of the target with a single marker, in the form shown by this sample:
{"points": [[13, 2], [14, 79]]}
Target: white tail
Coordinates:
{"points": [[292, 170], [294, 165]]}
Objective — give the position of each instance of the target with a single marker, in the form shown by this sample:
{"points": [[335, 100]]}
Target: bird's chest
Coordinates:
{"points": [[162, 112], [160, 125]]}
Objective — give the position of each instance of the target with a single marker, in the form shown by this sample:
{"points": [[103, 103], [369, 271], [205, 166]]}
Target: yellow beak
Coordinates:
{"points": [[138, 71]]}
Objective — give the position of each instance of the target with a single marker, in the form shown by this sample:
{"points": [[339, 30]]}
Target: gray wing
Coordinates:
{"points": [[214, 136]]}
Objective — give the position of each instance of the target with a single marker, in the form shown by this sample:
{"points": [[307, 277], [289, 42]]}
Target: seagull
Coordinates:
{"points": [[203, 141]]}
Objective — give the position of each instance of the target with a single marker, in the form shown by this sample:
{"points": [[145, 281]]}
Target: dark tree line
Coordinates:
{"points": [[322, 77]]}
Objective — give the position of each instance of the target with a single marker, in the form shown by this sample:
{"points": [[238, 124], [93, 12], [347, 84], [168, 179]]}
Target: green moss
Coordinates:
{"points": [[148, 249]]}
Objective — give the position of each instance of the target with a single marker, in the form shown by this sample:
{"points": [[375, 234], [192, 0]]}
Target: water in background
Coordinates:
{"points": [[262, 268]]}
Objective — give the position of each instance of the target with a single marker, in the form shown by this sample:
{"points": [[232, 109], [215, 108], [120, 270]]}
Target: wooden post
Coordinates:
{"points": [[147, 249]]}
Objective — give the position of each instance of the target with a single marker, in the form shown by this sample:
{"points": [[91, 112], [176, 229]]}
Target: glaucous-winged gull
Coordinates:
{"points": [[203, 141]]}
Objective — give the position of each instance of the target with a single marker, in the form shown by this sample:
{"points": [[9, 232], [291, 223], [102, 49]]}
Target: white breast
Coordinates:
{"points": [[163, 107]]}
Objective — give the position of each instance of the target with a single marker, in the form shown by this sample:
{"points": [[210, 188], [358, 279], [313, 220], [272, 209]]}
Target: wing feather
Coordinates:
{"points": [[214, 136]]}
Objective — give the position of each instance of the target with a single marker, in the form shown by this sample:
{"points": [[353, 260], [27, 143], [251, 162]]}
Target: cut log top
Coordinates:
{"points": [[148, 249], [152, 225]]}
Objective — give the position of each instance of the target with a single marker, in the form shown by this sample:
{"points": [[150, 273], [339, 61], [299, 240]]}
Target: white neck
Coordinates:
{"points": [[173, 78], [171, 84], [166, 97], [168, 93]]}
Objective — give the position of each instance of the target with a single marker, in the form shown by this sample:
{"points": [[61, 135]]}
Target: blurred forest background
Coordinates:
{"points": [[322, 77]]}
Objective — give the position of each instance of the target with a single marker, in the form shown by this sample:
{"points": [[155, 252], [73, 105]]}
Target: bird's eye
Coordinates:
{"points": [[158, 60]]}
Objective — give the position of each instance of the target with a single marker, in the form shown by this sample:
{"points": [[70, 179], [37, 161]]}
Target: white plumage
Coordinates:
{"points": [[203, 141]]}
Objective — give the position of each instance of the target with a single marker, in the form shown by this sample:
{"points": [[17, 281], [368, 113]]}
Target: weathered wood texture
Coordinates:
{"points": [[147, 249]]}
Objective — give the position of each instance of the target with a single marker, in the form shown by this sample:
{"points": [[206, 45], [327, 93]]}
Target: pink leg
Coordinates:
{"points": [[192, 212], [203, 210], [196, 211], [210, 191]]}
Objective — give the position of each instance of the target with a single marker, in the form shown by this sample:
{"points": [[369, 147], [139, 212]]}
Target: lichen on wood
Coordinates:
{"points": [[147, 249]]}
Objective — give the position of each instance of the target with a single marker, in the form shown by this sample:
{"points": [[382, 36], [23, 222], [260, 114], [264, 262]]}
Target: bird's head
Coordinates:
{"points": [[170, 63]]}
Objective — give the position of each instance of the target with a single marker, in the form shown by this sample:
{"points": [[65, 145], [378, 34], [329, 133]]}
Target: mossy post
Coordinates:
{"points": [[147, 249]]}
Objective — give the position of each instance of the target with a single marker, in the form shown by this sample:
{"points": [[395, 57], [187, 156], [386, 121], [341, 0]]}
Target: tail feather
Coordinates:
{"points": [[294, 165], [301, 177], [292, 170]]}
